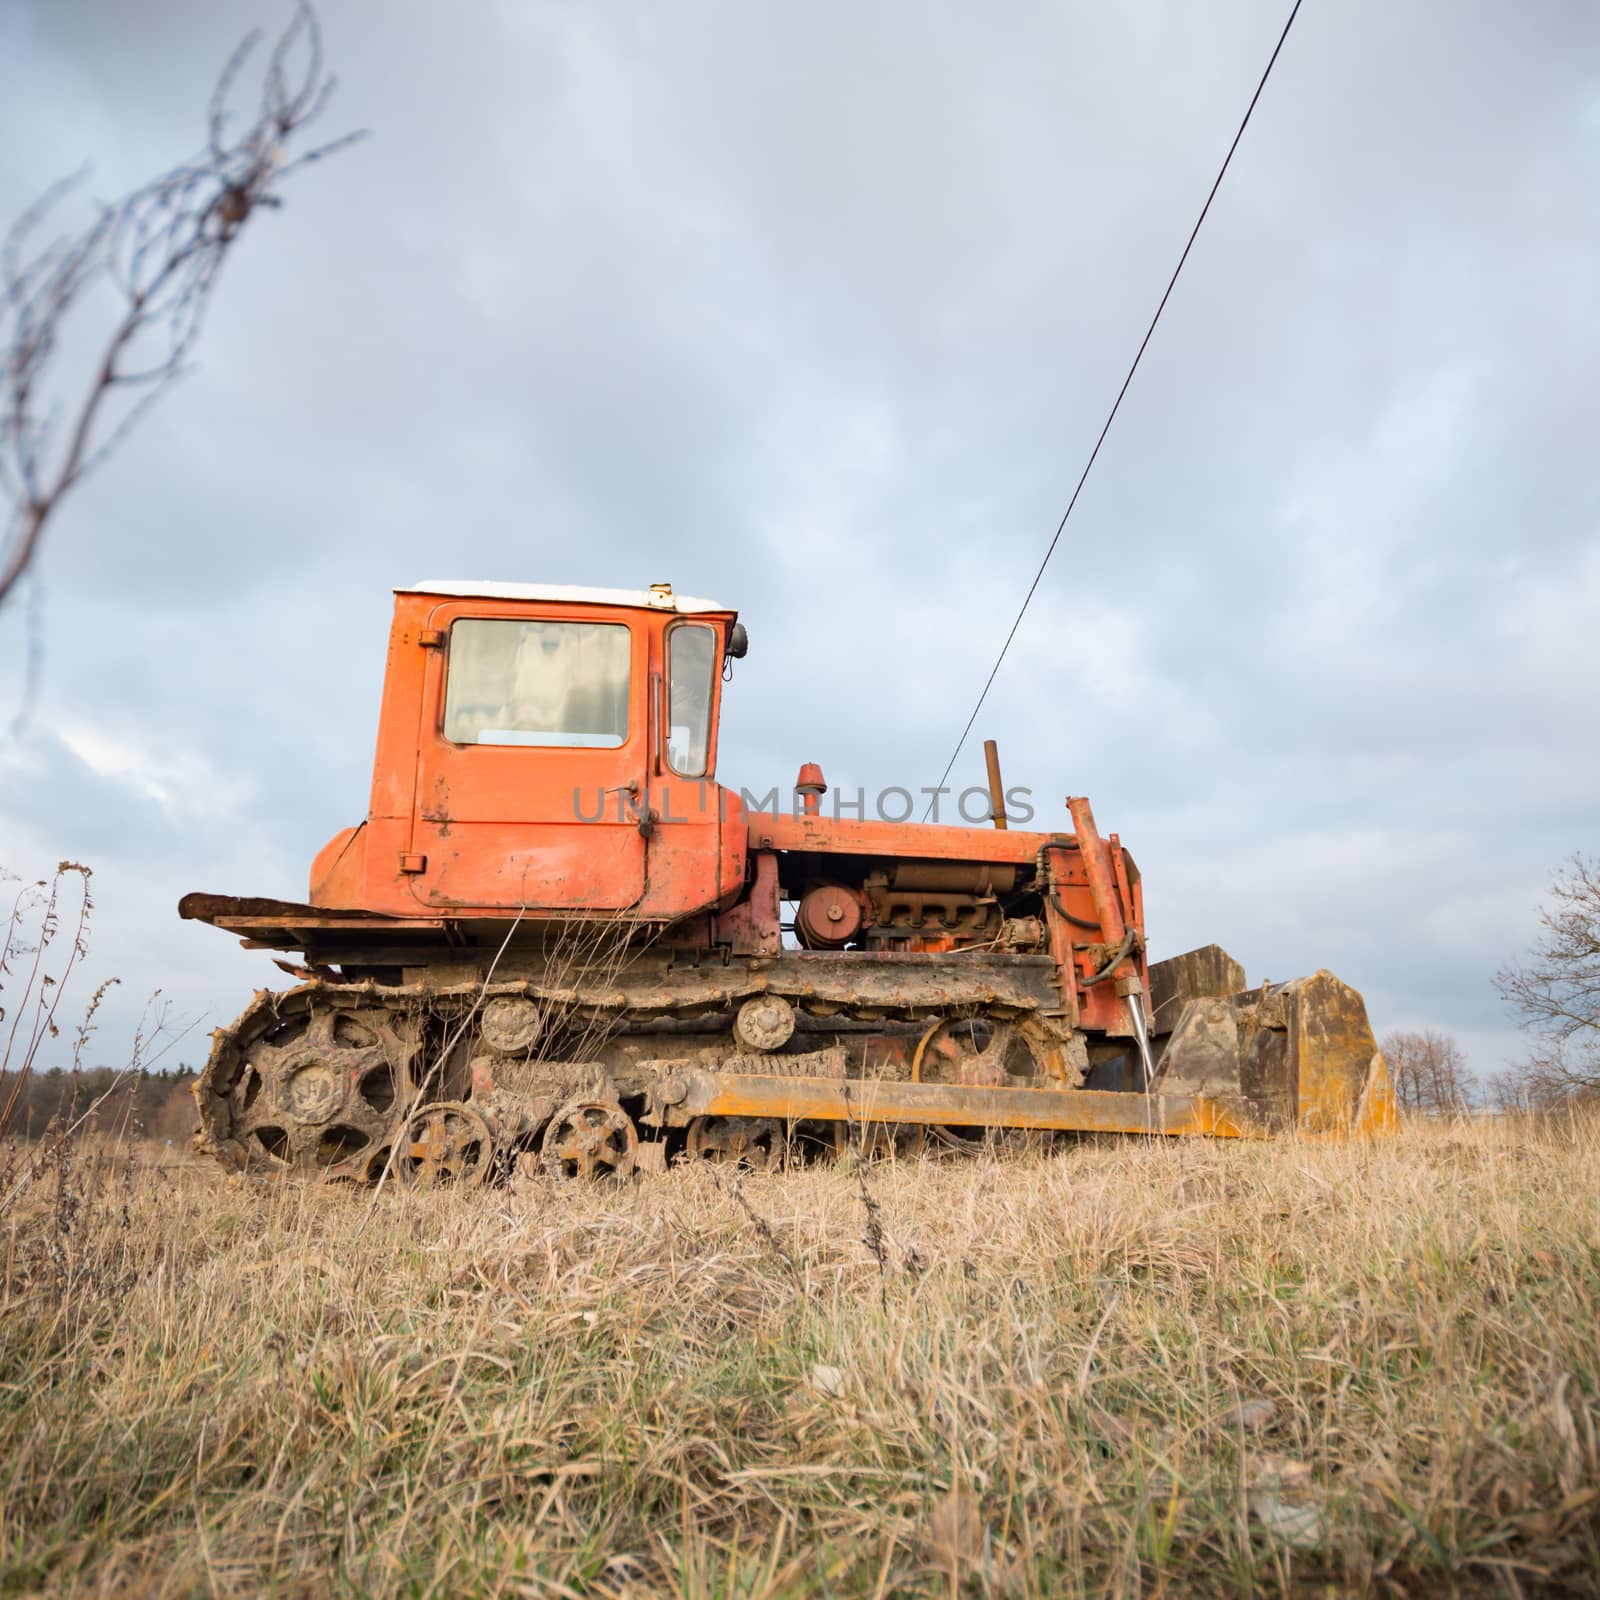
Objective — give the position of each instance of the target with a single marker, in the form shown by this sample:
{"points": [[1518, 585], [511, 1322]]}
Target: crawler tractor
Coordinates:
{"points": [[557, 940]]}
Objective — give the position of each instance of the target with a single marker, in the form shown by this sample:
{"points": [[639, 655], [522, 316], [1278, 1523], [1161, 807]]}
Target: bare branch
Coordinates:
{"points": [[217, 112], [1556, 992], [157, 254]]}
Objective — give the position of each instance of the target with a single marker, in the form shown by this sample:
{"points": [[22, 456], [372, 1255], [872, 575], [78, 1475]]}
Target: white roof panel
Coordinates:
{"points": [[645, 599]]}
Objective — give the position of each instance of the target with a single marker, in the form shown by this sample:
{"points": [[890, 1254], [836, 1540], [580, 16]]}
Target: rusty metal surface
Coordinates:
{"points": [[755, 1144], [445, 1145], [256, 917], [764, 1023], [1340, 1067], [670, 1071], [904, 983], [921, 841], [753, 926], [828, 917], [971, 1051], [810, 787], [1209, 972], [1301, 1054], [293, 1083], [308, 1087], [712, 1094], [1378, 1110], [589, 1140], [997, 788], [1101, 873]]}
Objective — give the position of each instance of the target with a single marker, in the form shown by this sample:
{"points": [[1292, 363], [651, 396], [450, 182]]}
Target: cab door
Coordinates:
{"points": [[532, 758], [686, 869]]}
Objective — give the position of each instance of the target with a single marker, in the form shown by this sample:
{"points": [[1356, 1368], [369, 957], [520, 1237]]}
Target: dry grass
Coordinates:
{"points": [[1124, 1368]]}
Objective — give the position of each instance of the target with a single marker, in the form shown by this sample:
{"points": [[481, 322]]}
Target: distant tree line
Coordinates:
{"points": [[143, 1104], [1429, 1072]]}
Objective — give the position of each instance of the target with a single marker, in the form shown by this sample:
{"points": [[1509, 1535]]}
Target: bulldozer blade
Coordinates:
{"points": [[1289, 1057]]}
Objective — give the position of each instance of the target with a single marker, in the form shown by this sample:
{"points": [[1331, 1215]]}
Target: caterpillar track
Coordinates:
{"points": [[345, 1080]]}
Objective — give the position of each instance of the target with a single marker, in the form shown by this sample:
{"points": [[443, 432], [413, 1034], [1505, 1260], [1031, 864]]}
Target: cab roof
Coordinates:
{"points": [[658, 597]]}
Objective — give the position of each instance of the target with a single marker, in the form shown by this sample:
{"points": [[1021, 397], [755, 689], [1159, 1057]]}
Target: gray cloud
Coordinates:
{"points": [[818, 310]]}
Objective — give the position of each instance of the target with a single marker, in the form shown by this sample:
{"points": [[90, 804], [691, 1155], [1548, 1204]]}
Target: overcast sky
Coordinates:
{"points": [[817, 310]]}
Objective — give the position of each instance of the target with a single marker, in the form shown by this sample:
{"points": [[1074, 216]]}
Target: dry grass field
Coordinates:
{"points": [[1117, 1368]]}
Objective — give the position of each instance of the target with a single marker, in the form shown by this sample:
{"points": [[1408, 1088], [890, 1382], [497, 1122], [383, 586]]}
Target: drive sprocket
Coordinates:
{"points": [[306, 1084]]}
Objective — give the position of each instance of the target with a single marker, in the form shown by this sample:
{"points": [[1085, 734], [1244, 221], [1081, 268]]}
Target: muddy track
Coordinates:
{"points": [[319, 1079]]}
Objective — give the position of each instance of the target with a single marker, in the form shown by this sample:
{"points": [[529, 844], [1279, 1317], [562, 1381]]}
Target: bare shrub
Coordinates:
{"points": [[32, 929]]}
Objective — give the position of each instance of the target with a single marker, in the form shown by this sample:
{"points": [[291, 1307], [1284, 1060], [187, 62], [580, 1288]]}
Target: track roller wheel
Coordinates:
{"points": [[448, 1144], [971, 1050], [589, 1139], [754, 1144]]}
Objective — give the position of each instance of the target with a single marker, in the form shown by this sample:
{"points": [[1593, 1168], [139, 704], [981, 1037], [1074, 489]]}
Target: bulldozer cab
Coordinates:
{"points": [[563, 742]]}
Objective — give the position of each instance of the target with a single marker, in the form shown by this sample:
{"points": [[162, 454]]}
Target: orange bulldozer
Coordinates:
{"points": [[557, 939]]}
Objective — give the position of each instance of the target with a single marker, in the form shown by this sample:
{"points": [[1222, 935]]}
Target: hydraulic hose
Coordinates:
{"points": [[1130, 942], [1041, 867]]}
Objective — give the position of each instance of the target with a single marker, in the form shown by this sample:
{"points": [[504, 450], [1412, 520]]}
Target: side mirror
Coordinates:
{"points": [[738, 641]]}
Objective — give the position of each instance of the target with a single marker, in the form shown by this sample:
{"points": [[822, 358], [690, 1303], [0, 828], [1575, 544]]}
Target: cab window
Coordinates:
{"points": [[537, 683], [691, 678]]}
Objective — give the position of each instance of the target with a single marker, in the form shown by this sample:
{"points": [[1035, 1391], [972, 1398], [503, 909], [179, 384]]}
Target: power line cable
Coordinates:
{"points": [[1117, 403]]}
